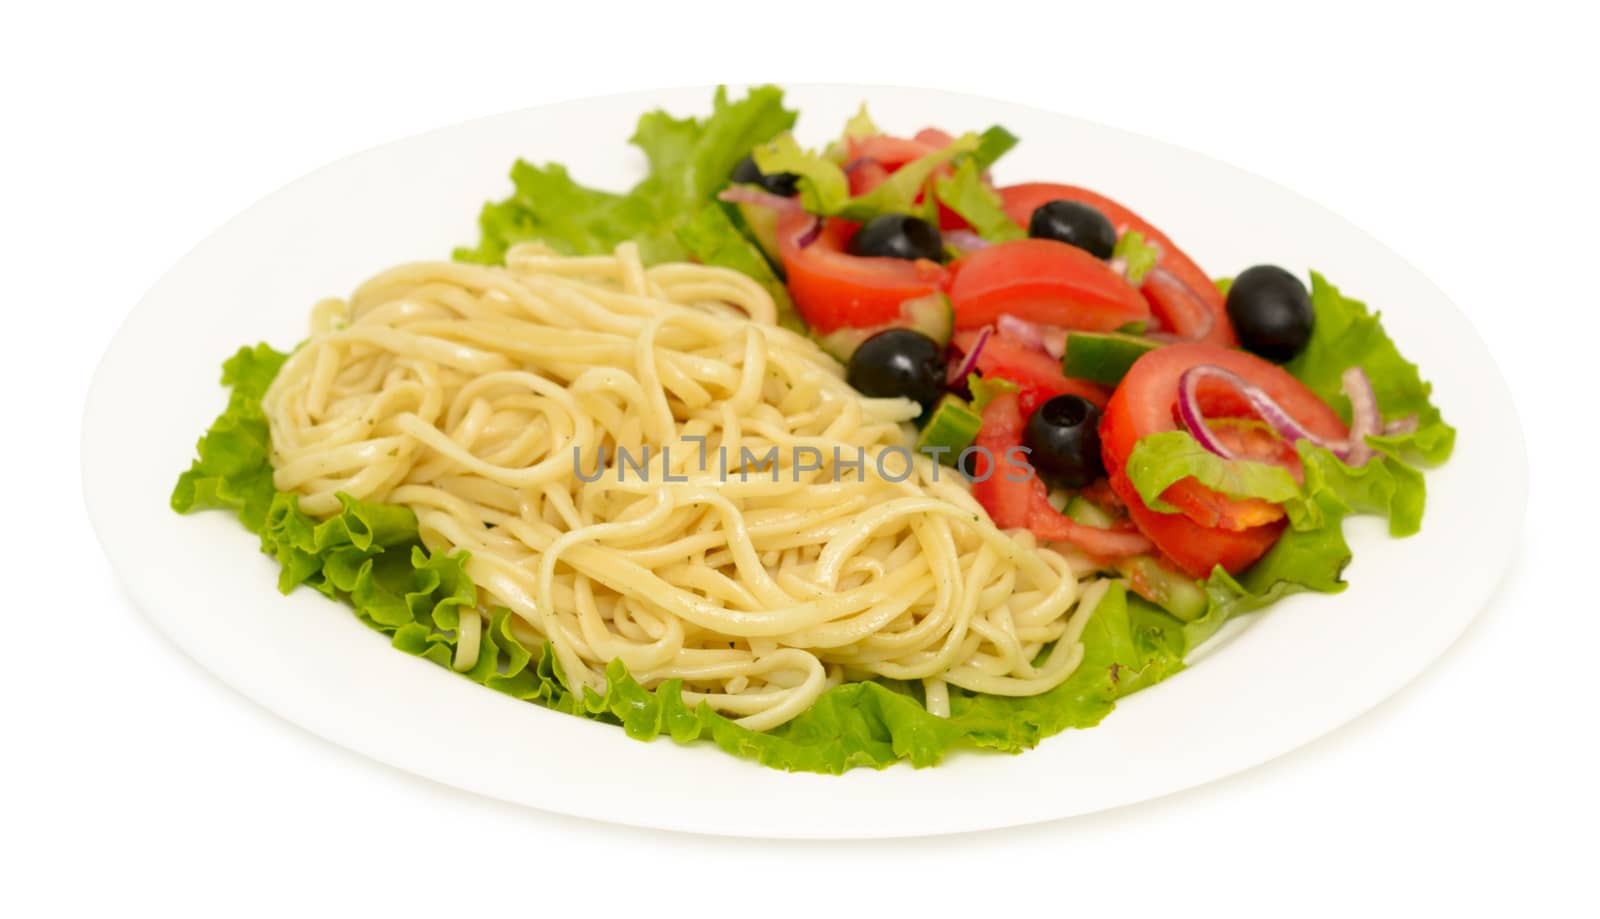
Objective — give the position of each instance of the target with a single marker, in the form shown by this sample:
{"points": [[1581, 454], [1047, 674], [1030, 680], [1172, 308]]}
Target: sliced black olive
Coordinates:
{"points": [[747, 172], [898, 236], [1063, 441], [1271, 312], [898, 362], [1076, 225]]}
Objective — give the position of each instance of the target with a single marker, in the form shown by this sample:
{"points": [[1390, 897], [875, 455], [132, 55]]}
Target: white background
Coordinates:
{"points": [[128, 776]]}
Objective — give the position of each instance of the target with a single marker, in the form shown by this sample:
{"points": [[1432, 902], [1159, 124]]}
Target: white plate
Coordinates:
{"points": [[1267, 685]]}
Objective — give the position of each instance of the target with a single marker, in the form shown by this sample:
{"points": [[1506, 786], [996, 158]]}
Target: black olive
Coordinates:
{"points": [[898, 362], [1076, 225], [1271, 312], [898, 236], [784, 184], [1063, 441]]}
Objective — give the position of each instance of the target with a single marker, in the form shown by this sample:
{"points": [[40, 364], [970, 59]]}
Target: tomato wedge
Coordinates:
{"points": [[1017, 502], [1211, 529], [833, 289], [873, 159], [1185, 300], [1045, 281], [865, 175], [1038, 375], [1195, 549], [891, 152]]}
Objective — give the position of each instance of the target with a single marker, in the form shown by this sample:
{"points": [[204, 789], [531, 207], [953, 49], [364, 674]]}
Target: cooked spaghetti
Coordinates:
{"points": [[643, 466]]}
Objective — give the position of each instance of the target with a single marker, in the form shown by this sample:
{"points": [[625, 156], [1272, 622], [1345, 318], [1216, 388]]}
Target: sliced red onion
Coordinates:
{"points": [[1055, 341], [1364, 417], [1051, 339], [1166, 281], [1026, 333], [957, 375], [1401, 426], [964, 240], [745, 194], [1354, 451], [808, 235], [1194, 420]]}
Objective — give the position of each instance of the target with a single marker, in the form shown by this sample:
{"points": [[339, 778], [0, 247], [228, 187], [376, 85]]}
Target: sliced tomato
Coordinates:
{"points": [[1099, 494], [874, 159], [1038, 375], [833, 289], [1017, 501], [1194, 549], [948, 219], [891, 152], [1211, 529], [865, 175], [1251, 440], [1044, 281], [1186, 304]]}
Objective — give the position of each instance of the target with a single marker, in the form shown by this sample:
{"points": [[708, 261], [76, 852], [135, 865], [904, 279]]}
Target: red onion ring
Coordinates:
{"points": [[957, 375], [1055, 341], [1164, 279], [964, 240], [808, 235], [745, 194], [1365, 419], [1401, 426], [1025, 332], [1050, 339]]}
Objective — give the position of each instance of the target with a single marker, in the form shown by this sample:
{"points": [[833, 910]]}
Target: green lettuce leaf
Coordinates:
{"points": [[825, 189], [369, 556], [898, 193], [231, 470], [550, 207], [965, 193], [713, 239], [1346, 335], [689, 159], [859, 126], [993, 143], [1385, 486], [1160, 460], [1301, 560], [1310, 556]]}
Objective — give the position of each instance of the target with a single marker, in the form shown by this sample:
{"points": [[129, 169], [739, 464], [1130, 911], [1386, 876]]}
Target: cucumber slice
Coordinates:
{"points": [[950, 429], [1085, 512], [1168, 589], [762, 225], [1103, 358], [930, 315]]}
